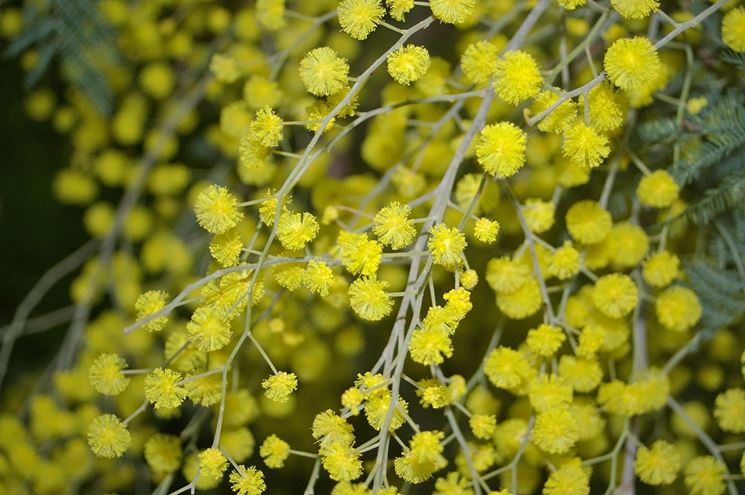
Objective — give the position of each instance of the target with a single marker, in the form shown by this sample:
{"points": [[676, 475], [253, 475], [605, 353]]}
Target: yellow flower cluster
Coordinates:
{"points": [[389, 246]]}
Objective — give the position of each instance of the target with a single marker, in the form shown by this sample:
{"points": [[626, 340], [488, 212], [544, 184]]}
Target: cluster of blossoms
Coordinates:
{"points": [[381, 247]]}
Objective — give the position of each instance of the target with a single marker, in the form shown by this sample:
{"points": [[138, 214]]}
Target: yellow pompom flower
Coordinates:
{"points": [[270, 14], [274, 451], [505, 275], [279, 386], [632, 63], [704, 475], [658, 464], [571, 478], [584, 146], [506, 368], [479, 61], [369, 300], [584, 375], [446, 244], [678, 308], [733, 29], [517, 77], [635, 9], [224, 68], [408, 64], [392, 225], [730, 410], [571, 4], [247, 481], [501, 149], [565, 262], [604, 110], [318, 277], [588, 222], [105, 374], [483, 426], [539, 215], [108, 436], [523, 302], [295, 230], [358, 254], [399, 8], [555, 431], [430, 345], [657, 190], [660, 269], [217, 209], [359, 18], [149, 303], [548, 392], [485, 230], [323, 72], [423, 457], [341, 460], [560, 117], [163, 390], [209, 329], [615, 295], [545, 340], [630, 245], [212, 463], [226, 248], [163, 453], [266, 128], [452, 11]]}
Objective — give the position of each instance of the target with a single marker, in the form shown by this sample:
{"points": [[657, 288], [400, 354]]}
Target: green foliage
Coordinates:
{"points": [[73, 33]]}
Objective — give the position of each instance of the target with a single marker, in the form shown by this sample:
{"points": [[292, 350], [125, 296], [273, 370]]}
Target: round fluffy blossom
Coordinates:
{"points": [[630, 244], [658, 464], [212, 463], [501, 149], [247, 481], [217, 209], [486, 230], [523, 302], [605, 112], [368, 298], [560, 117], [209, 329], [318, 277], [565, 262], [295, 230], [678, 308], [392, 225], [572, 478], [657, 190], [105, 374], [399, 8], [517, 77], [446, 244], [108, 437], [704, 475], [506, 275], [408, 64], [274, 451], [163, 390], [588, 222], [545, 340], [359, 18], [730, 410], [539, 215], [733, 29], [430, 345], [660, 269], [584, 146], [631, 63], [279, 386], [479, 61], [635, 9], [555, 431], [163, 453], [452, 11], [507, 368], [148, 303], [341, 461], [483, 426], [615, 295], [266, 128], [323, 72]]}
